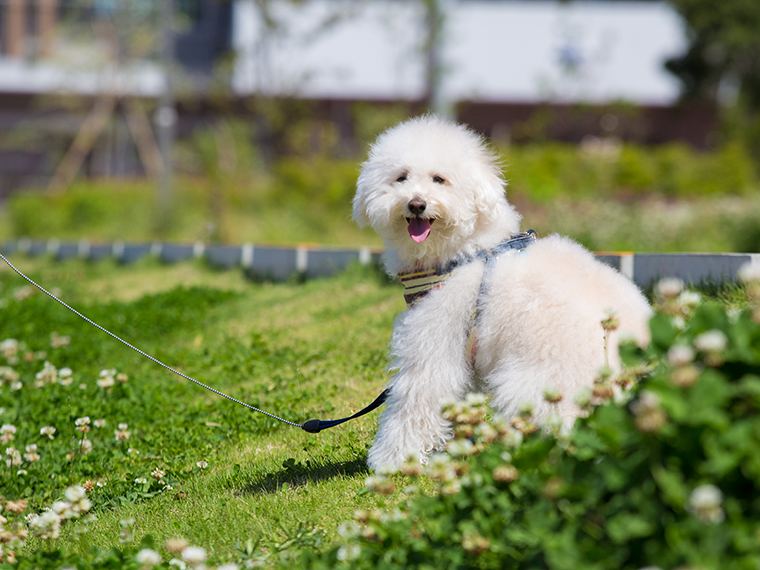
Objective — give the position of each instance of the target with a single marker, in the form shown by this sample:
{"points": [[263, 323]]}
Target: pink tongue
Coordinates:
{"points": [[419, 229]]}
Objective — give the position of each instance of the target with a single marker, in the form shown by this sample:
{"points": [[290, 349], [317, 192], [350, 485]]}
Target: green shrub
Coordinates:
{"points": [[607, 167], [316, 180], [665, 474]]}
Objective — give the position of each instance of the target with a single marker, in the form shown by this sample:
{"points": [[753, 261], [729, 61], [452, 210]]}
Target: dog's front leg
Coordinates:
{"points": [[432, 368]]}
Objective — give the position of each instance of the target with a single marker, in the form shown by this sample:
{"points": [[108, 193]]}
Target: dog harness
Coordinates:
{"points": [[419, 283]]}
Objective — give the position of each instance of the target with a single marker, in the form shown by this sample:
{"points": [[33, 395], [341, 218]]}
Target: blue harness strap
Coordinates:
{"points": [[420, 282], [519, 243]]}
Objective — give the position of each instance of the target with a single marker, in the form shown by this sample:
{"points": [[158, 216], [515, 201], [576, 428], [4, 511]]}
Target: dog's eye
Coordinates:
{"points": [[401, 178], [438, 180]]}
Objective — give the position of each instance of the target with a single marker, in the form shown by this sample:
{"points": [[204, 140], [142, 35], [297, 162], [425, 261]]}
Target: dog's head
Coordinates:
{"points": [[432, 190]]}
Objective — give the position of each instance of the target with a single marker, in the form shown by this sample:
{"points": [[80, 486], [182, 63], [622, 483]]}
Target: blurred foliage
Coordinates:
{"points": [[722, 62], [607, 194], [607, 167], [661, 475]]}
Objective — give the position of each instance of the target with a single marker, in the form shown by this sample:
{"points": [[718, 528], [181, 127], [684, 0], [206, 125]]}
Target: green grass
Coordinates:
{"points": [[299, 350], [308, 350]]}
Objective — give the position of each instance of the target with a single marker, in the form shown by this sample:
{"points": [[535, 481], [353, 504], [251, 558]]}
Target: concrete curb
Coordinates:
{"points": [[259, 262], [279, 263]]}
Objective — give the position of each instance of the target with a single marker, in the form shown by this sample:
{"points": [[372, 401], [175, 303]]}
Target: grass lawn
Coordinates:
{"points": [[316, 349], [163, 458]]}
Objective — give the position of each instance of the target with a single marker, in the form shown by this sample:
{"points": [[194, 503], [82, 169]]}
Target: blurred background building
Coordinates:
{"points": [[81, 81]]}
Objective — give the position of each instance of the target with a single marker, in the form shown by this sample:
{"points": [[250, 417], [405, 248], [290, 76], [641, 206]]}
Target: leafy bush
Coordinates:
{"points": [[606, 167], [661, 473]]}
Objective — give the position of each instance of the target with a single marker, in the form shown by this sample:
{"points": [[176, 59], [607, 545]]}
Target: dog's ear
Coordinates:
{"points": [[490, 199], [360, 214]]}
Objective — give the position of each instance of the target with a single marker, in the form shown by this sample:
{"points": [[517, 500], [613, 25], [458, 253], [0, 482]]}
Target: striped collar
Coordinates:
{"points": [[419, 282]]}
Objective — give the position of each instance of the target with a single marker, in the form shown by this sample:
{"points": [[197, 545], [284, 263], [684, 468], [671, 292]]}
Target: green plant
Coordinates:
{"points": [[665, 473]]}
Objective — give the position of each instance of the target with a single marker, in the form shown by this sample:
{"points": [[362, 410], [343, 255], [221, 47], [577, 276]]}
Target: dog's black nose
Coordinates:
{"points": [[417, 206]]}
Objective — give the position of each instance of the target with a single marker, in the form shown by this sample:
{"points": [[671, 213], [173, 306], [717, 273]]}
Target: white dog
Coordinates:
{"points": [[433, 191]]}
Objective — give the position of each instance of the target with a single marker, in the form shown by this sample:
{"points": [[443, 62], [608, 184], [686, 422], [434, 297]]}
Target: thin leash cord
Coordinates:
{"points": [[146, 355]]}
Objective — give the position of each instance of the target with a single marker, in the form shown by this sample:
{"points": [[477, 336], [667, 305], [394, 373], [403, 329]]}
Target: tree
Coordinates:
{"points": [[722, 63]]}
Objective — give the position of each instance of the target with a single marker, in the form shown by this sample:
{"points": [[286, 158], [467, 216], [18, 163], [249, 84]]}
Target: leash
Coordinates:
{"points": [[311, 426]]}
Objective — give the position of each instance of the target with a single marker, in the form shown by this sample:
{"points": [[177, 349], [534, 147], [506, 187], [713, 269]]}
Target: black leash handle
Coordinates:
{"points": [[316, 426]]}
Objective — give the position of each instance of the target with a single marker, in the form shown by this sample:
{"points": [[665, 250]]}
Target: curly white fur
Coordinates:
{"points": [[433, 191]]}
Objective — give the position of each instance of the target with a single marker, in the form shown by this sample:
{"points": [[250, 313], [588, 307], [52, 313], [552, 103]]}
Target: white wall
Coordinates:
{"points": [[508, 51]]}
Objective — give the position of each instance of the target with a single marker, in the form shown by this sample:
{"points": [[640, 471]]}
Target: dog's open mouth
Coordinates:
{"points": [[419, 228]]}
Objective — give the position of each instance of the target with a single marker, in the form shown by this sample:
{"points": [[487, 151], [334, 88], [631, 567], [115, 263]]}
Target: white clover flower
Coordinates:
{"points": [[749, 273], [649, 417], [512, 438], [178, 563], [474, 399], [31, 454], [106, 381], [99, 423], [7, 433], [9, 347], [439, 467], [680, 355], [689, 299], [85, 446], [385, 470], [46, 526], [75, 493], [349, 552], [57, 341], [16, 386], [552, 395], [194, 555], [349, 530], [8, 374], [526, 408], [711, 341], [668, 288], [733, 314], [81, 422], [460, 447], [48, 374], [472, 480], [202, 464], [49, 431], [148, 558], [141, 480], [379, 484], [705, 503], [485, 432], [122, 433], [228, 566], [63, 509], [157, 474], [13, 457]]}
